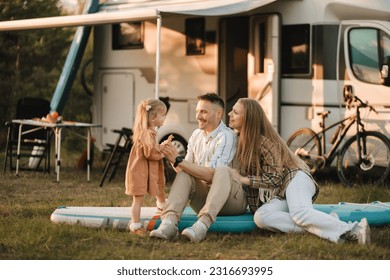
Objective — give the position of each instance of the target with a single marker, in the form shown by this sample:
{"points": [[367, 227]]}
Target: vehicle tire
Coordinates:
{"points": [[86, 76], [372, 171], [305, 143], [181, 145]]}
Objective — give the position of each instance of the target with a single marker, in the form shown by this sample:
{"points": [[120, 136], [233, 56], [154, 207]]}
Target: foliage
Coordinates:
{"points": [[32, 60]]}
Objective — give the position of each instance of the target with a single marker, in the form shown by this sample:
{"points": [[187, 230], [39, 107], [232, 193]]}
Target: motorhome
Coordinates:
{"points": [[296, 57]]}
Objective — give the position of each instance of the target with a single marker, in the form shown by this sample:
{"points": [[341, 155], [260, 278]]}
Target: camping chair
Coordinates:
{"points": [[121, 147], [34, 146]]}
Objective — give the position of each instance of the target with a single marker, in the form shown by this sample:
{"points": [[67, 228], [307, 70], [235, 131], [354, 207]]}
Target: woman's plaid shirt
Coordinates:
{"points": [[274, 180]]}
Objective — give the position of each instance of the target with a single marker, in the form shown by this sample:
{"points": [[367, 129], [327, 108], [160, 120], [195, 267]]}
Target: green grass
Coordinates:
{"points": [[26, 232]]}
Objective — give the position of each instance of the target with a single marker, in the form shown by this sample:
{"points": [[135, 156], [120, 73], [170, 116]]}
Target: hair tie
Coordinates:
{"points": [[148, 107]]}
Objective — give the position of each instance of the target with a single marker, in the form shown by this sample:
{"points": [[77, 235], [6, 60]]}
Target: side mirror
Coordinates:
{"points": [[348, 95], [385, 78]]}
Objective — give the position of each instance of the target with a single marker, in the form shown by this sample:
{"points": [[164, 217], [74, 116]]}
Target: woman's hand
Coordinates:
{"points": [[237, 177]]}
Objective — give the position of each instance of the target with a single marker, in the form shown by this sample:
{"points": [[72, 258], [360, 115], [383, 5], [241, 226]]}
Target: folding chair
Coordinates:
{"points": [[121, 147], [35, 145]]}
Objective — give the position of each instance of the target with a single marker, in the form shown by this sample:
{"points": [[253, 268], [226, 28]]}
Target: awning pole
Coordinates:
{"points": [[159, 19]]}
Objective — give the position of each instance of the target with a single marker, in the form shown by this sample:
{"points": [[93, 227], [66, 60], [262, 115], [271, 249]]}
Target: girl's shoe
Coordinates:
{"points": [[140, 231]]}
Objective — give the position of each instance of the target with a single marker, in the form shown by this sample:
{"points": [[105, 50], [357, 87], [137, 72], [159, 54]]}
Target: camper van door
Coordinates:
{"points": [[249, 61], [263, 64], [364, 46]]}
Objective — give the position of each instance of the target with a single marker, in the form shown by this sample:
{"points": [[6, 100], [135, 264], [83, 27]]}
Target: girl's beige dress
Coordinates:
{"points": [[145, 168]]}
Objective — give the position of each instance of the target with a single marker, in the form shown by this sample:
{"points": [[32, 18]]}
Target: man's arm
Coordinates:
{"points": [[202, 172]]}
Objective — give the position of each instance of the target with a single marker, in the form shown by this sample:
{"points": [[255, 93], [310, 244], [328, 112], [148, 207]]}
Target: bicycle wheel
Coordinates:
{"points": [[305, 143], [365, 169]]}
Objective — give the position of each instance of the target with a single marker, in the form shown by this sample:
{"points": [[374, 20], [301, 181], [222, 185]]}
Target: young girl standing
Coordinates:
{"points": [[145, 167]]}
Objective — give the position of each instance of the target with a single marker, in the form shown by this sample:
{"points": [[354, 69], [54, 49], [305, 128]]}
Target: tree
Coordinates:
{"points": [[31, 61]]}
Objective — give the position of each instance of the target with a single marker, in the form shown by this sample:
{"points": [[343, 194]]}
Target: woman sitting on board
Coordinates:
{"points": [[145, 167], [278, 185]]}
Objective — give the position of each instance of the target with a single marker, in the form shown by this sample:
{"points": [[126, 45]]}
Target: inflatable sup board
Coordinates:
{"points": [[377, 213], [119, 217]]}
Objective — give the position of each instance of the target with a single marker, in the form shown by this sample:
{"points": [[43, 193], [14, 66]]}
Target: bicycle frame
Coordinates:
{"points": [[328, 157], [363, 158]]}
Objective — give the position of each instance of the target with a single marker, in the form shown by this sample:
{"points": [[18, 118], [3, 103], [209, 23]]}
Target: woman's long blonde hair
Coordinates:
{"points": [[146, 111], [255, 126]]}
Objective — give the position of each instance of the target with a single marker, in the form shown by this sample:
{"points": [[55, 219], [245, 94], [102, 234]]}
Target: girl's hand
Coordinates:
{"points": [[165, 143], [169, 151], [169, 140]]}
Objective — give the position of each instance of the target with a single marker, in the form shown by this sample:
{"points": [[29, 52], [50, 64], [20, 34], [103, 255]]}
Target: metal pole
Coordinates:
{"points": [[158, 43], [88, 153]]}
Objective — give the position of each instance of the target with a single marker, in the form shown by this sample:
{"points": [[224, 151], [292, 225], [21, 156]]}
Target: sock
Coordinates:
{"points": [[160, 205], [135, 226]]}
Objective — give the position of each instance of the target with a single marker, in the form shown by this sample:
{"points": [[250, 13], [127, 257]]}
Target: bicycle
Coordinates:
{"points": [[363, 159]]}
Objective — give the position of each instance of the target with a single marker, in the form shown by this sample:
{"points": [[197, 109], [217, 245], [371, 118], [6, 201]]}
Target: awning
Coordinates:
{"points": [[137, 11], [77, 20], [199, 7]]}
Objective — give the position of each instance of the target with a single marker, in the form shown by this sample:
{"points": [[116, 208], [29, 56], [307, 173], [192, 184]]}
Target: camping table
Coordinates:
{"points": [[57, 128]]}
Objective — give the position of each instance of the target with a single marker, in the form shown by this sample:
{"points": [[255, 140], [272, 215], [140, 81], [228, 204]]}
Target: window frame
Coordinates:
{"points": [[379, 54], [289, 41], [195, 30], [129, 45]]}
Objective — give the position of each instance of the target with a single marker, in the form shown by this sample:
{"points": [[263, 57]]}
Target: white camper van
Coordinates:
{"points": [[296, 57]]}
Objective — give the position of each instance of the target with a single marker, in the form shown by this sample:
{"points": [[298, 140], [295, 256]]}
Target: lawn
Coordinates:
{"points": [[26, 232]]}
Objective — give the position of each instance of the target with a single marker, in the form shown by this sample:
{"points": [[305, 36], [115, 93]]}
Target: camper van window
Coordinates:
{"points": [[128, 35], [296, 49], [195, 36], [364, 54]]}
